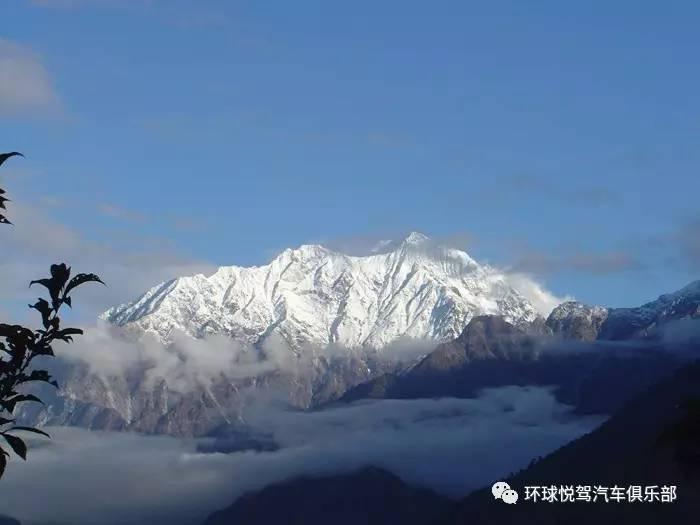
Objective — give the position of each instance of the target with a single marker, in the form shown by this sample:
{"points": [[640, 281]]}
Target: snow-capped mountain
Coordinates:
{"points": [[312, 295], [574, 320], [579, 321]]}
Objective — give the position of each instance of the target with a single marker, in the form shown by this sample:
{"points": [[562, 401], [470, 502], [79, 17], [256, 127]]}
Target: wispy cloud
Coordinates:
{"points": [[542, 299], [25, 85], [540, 263]]}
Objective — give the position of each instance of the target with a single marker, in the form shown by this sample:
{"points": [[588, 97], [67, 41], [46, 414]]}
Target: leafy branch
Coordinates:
{"points": [[19, 346]]}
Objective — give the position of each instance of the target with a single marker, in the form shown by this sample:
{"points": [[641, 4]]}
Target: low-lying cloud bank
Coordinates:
{"points": [[187, 364], [451, 445]]}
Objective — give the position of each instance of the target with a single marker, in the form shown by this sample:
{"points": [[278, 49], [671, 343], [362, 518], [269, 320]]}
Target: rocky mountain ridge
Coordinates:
{"points": [[313, 295]]}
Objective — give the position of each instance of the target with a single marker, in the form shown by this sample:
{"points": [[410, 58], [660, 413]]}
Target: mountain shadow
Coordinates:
{"points": [[370, 497], [595, 377], [625, 450]]}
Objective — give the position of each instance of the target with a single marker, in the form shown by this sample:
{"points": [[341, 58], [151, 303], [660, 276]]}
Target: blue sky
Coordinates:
{"points": [[561, 138]]}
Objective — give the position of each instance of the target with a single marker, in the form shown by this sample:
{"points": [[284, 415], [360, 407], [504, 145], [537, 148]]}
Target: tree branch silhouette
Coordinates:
{"points": [[19, 345]]}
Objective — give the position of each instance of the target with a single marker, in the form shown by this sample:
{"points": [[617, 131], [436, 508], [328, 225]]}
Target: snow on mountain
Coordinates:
{"points": [[312, 295], [574, 320], [623, 323], [579, 321]]}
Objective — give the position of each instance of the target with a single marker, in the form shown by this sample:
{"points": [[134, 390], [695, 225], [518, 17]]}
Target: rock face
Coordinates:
{"points": [[313, 295], [485, 337], [573, 320]]}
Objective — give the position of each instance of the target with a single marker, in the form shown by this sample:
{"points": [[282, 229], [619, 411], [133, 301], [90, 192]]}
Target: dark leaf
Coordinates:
{"points": [[81, 278], [9, 404], [43, 307], [3, 461], [4, 421], [17, 445], [28, 397], [61, 273], [38, 375], [3, 219], [44, 348], [44, 282], [7, 329], [66, 333], [5, 156], [30, 429], [16, 335]]}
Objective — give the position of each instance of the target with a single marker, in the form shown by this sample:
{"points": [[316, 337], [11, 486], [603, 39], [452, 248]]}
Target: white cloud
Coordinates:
{"points": [[451, 445], [186, 364], [543, 300], [25, 84]]}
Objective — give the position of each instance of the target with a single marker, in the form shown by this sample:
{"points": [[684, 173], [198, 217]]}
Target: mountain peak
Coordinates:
{"points": [[412, 239], [415, 238], [313, 295]]}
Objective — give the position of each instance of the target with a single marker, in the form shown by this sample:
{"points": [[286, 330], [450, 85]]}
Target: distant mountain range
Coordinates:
{"points": [[582, 350], [476, 330], [574, 320]]}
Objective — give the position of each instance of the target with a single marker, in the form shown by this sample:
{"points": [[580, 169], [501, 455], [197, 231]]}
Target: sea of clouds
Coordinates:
{"points": [[450, 445]]}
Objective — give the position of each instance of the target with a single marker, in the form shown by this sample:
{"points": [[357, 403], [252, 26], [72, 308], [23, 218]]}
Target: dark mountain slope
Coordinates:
{"points": [[595, 377], [596, 357], [369, 497], [623, 451]]}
